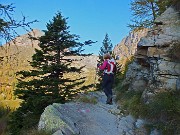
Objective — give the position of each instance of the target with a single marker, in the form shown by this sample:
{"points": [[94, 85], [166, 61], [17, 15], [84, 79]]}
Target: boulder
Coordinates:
{"points": [[51, 121]]}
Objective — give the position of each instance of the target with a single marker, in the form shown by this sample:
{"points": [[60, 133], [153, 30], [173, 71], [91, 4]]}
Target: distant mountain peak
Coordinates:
{"points": [[25, 40], [36, 33]]}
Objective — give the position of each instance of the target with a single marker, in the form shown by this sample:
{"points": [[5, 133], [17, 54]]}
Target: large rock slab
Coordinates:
{"points": [[86, 119]]}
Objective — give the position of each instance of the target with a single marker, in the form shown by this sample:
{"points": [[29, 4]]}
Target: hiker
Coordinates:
{"points": [[108, 76]]}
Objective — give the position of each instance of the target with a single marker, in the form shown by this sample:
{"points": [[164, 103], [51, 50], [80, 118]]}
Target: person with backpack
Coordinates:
{"points": [[108, 67]]}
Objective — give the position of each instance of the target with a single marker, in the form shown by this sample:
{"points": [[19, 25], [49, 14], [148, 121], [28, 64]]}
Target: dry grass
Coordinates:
{"points": [[87, 99], [11, 104], [35, 131], [92, 100]]}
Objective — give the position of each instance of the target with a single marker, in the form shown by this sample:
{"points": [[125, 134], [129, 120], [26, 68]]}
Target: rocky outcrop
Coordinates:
{"points": [[156, 66], [89, 119], [25, 40]]}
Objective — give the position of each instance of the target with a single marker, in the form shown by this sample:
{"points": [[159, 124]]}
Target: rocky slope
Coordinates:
{"points": [[20, 50]]}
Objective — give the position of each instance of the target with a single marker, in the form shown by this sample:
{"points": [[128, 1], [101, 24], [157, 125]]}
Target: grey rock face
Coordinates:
{"points": [[153, 62], [86, 119]]}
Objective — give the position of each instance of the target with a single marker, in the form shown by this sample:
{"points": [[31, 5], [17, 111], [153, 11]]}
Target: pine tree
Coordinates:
{"points": [[48, 82], [105, 48]]}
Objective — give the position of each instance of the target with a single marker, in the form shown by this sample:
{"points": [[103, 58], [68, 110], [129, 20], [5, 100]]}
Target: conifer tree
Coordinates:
{"points": [[105, 48], [47, 82]]}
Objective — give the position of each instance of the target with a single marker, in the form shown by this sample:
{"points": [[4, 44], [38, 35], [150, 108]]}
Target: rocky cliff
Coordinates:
{"points": [[127, 47], [156, 65]]}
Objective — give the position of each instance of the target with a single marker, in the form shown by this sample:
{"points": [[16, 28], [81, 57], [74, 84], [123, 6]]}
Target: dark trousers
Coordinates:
{"points": [[108, 80]]}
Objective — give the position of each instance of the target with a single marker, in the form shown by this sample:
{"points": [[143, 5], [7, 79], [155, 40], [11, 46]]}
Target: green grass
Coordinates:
{"points": [[86, 99]]}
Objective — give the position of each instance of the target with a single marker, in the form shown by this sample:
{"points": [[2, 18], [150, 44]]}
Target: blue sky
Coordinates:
{"points": [[90, 19]]}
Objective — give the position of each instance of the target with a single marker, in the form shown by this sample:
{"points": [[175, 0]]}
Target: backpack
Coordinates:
{"points": [[111, 67]]}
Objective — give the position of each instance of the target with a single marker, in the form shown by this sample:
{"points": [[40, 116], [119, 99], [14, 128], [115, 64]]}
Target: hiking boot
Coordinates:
{"points": [[109, 98], [109, 102]]}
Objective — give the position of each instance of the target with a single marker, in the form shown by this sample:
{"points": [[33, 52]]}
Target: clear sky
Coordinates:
{"points": [[90, 19]]}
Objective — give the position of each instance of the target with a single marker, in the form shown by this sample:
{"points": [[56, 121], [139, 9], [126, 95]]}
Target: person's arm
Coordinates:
{"points": [[103, 66]]}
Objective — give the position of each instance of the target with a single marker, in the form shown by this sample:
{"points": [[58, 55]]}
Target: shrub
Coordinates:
{"points": [[24, 118], [4, 116], [4, 111], [132, 103], [164, 112]]}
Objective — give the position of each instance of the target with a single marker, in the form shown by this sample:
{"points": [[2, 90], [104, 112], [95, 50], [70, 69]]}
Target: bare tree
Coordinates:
{"points": [[8, 25]]}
